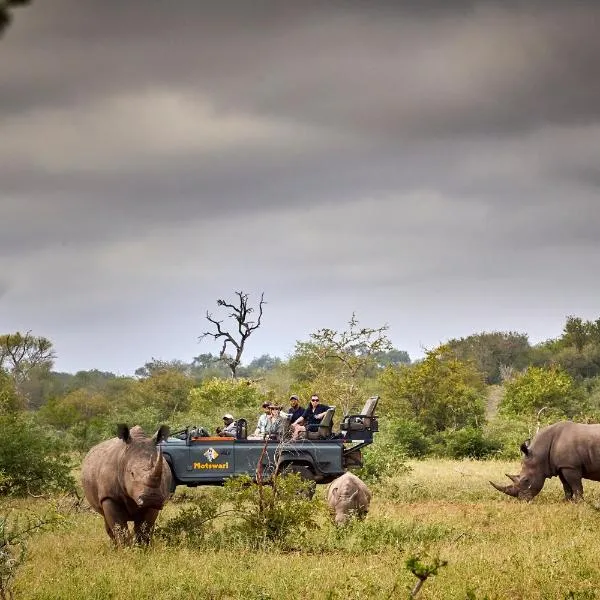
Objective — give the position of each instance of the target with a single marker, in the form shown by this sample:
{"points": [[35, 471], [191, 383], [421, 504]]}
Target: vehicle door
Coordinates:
{"points": [[210, 458]]}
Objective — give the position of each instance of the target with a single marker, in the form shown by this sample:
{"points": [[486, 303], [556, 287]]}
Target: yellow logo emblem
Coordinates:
{"points": [[211, 454]]}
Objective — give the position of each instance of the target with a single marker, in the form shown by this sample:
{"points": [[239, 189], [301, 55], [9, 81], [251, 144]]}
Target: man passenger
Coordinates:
{"points": [[229, 427], [310, 419]]}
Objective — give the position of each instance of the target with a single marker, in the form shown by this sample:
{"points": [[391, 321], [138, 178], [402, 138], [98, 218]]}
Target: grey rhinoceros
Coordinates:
{"points": [[568, 450], [127, 479], [348, 495]]}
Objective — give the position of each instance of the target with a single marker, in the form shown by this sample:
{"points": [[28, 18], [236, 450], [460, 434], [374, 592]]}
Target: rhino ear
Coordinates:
{"points": [[123, 432], [525, 447], [162, 434]]}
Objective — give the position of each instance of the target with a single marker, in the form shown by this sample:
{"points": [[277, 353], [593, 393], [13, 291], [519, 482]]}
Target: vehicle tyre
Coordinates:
{"points": [[173, 485]]}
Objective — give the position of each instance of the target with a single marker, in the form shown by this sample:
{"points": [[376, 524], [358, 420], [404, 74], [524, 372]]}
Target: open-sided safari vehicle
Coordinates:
{"points": [[197, 458]]}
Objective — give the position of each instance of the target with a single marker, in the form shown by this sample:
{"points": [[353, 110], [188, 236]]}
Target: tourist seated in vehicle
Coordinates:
{"points": [[229, 427], [295, 410], [275, 423], [310, 419], [263, 420]]}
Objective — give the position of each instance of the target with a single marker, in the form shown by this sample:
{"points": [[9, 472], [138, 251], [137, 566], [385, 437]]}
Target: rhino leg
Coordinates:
{"points": [[143, 526], [115, 522], [571, 482]]}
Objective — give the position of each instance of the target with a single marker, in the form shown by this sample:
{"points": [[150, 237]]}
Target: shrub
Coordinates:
{"points": [[539, 388], [192, 524], [410, 437], [32, 460], [278, 513], [469, 443], [382, 459]]}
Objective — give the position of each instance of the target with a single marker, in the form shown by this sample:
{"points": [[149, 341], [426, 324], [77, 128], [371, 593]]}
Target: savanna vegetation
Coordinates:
{"points": [[449, 423]]}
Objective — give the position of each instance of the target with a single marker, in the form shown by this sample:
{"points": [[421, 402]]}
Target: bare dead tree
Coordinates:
{"points": [[240, 313], [6, 7]]}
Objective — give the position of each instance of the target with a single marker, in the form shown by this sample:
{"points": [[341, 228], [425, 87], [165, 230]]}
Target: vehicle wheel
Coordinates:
{"points": [[173, 484], [305, 474]]}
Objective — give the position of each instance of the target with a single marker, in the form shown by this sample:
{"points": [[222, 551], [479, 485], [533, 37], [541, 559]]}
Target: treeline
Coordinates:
{"points": [[475, 396]]}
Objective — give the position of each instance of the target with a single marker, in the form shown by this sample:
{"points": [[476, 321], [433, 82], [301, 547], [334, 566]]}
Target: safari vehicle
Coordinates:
{"points": [[196, 458]]}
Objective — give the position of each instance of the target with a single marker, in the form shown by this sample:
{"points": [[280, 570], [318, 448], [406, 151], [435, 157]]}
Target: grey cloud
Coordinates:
{"points": [[384, 72]]}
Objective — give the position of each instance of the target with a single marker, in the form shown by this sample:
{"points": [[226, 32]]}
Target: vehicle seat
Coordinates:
{"points": [[365, 420], [325, 427], [241, 429]]}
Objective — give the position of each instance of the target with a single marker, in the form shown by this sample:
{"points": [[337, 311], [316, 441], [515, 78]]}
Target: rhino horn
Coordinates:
{"points": [[509, 490], [157, 469], [513, 478]]}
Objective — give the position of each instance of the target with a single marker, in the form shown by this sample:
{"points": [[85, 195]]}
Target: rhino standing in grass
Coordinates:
{"points": [[348, 495], [127, 479], [568, 450]]}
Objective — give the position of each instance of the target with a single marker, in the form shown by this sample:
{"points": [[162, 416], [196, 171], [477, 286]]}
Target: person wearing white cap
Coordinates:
{"points": [[230, 426]]}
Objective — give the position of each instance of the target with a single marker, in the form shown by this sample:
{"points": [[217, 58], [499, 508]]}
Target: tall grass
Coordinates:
{"points": [[495, 546]]}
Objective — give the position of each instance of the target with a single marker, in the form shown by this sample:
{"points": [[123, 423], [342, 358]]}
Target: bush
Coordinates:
{"points": [[538, 388], [382, 459], [469, 443], [32, 460], [280, 513], [192, 524], [410, 437]]}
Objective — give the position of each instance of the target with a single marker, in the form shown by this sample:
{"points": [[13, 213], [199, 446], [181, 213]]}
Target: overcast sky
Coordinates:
{"points": [[434, 167]]}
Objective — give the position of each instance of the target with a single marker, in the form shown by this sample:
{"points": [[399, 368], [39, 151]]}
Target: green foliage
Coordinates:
{"points": [[439, 392], [167, 391], [214, 397], [9, 400], [382, 459], [410, 437], [274, 514], [509, 431], [15, 530], [278, 513], [539, 388], [192, 524], [31, 459], [469, 442], [490, 352], [335, 363]]}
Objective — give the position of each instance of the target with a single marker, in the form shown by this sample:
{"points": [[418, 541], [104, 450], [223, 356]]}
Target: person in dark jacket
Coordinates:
{"points": [[311, 417]]}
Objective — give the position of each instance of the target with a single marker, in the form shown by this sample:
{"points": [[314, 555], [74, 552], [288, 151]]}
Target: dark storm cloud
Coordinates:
{"points": [[437, 69], [374, 153]]}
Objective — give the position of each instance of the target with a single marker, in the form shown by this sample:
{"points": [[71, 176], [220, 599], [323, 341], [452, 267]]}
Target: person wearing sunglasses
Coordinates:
{"points": [[310, 419]]}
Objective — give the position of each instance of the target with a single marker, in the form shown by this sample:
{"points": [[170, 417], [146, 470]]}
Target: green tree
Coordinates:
{"points": [[491, 352], [32, 460], [215, 397], [543, 388], [9, 400], [439, 392], [23, 354], [335, 363]]}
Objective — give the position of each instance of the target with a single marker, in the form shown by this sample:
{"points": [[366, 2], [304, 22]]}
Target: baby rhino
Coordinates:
{"points": [[346, 496]]}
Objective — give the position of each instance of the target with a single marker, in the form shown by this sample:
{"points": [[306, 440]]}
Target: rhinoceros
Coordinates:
{"points": [[568, 450], [348, 495], [127, 479]]}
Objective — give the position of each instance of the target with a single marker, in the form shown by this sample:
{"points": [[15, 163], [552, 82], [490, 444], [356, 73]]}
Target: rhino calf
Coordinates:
{"points": [[127, 479], [346, 496], [565, 449]]}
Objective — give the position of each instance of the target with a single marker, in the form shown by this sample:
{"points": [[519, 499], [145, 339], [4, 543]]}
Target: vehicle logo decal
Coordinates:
{"points": [[211, 454]]}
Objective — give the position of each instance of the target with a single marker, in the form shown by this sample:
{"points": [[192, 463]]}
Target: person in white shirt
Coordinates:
{"points": [[229, 429]]}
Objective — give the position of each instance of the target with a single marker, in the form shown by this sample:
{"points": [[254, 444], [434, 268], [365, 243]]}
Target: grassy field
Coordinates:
{"points": [[495, 547]]}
